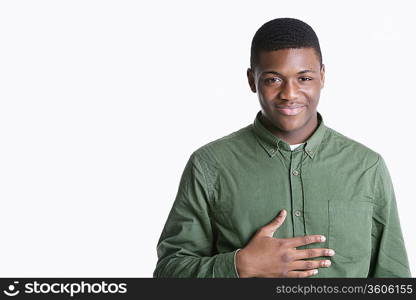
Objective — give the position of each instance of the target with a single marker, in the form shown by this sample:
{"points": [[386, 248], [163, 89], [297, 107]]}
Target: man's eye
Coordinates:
{"points": [[272, 80], [305, 78]]}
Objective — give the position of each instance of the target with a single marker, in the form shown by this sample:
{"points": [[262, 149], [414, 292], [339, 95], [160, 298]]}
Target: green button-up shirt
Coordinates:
{"points": [[330, 185]]}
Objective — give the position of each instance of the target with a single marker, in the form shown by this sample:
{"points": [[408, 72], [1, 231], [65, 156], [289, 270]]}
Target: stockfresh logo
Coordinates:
{"points": [[12, 290]]}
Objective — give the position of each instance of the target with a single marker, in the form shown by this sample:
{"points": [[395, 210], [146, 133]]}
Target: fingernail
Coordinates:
{"points": [[323, 238], [315, 272], [327, 263], [331, 252]]}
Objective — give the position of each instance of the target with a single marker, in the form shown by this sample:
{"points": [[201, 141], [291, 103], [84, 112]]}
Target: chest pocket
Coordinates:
{"points": [[350, 229]]}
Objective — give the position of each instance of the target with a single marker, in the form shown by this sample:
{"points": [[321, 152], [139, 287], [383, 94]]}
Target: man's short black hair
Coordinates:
{"points": [[283, 33]]}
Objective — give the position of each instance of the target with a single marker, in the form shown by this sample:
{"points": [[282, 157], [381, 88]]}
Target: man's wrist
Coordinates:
{"points": [[240, 264]]}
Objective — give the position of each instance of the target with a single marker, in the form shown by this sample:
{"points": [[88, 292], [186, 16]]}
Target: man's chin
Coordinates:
{"points": [[288, 123]]}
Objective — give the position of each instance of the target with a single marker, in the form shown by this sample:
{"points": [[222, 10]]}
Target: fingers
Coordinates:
{"points": [[309, 253], [302, 274], [307, 267], [270, 228], [310, 264], [304, 240]]}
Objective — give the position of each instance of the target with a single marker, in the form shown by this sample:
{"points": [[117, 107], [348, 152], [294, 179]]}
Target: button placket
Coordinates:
{"points": [[297, 193]]}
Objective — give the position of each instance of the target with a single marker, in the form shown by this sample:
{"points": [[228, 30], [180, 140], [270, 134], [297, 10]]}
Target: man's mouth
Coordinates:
{"points": [[290, 110]]}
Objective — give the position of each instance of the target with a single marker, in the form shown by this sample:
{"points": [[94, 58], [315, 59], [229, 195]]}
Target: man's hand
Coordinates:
{"points": [[265, 256]]}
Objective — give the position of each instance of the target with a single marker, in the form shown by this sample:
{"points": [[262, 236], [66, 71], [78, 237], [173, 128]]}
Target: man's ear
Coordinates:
{"points": [[322, 76], [251, 80]]}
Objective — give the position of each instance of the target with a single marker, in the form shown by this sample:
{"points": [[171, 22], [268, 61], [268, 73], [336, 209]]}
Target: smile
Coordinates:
{"points": [[290, 111]]}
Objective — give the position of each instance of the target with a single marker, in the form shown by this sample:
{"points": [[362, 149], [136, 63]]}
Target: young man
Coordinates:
{"points": [[285, 196]]}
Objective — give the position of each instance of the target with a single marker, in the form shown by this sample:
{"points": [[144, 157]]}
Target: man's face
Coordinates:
{"points": [[288, 83]]}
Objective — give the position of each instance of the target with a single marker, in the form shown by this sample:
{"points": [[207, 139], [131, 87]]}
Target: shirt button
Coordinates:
{"points": [[295, 172], [297, 213]]}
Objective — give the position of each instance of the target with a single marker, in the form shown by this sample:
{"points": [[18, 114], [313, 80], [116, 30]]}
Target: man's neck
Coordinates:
{"points": [[293, 137]]}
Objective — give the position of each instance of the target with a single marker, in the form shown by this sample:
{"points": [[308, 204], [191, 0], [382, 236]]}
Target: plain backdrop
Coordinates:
{"points": [[103, 102]]}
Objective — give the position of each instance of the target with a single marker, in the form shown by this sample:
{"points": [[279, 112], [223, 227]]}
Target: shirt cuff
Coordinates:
{"points": [[224, 266]]}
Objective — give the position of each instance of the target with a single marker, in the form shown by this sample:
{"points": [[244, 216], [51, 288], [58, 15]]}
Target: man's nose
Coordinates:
{"points": [[289, 91]]}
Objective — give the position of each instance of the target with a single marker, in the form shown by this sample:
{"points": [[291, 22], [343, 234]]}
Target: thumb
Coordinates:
{"points": [[270, 228]]}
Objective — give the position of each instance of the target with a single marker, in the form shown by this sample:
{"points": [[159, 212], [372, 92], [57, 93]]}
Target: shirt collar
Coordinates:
{"points": [[272, 143]]}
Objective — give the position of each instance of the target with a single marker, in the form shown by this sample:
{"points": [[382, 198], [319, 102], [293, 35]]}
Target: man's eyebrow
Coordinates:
{"points": [[306, 71], [279, 74], [271, 72]]}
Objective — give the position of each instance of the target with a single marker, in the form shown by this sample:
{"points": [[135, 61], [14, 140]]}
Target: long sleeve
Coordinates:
{"points": [[186, 245], [389, 258]]}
